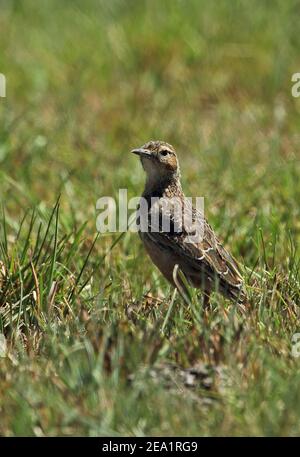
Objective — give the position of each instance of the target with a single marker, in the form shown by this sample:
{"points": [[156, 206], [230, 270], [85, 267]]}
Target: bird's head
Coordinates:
{"points": [[159, 161]]}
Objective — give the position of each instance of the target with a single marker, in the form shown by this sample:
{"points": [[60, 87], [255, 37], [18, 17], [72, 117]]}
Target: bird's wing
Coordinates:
{"points": [[203, 253]]}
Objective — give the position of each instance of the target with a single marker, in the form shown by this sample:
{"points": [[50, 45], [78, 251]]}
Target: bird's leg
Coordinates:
{"points": [[206, 303], [206, 299]]}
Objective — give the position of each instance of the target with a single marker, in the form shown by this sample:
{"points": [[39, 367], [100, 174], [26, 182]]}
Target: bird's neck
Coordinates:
{"points": [[166, 186]]}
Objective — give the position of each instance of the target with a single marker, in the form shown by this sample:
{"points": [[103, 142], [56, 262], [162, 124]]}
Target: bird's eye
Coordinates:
{"points": [[164, 152]]}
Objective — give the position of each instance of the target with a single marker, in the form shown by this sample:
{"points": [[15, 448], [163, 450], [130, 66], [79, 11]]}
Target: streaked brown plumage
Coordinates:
{"points": [[205, 263]]}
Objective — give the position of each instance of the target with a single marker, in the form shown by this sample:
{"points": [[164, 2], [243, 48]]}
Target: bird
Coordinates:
{"points": [[202, 260]]}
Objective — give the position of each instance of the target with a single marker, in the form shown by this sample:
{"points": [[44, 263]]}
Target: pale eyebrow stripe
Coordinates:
{"points": [[165, 148]]}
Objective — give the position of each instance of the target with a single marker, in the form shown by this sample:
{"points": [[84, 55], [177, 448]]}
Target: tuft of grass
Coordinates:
{"points": [[37, 270]]}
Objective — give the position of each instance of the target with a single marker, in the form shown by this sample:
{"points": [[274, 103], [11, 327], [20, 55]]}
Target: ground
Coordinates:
{"points": [[92, 340]]}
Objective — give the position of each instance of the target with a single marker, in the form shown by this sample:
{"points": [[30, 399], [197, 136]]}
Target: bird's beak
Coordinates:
{"points": [[142, 152]]}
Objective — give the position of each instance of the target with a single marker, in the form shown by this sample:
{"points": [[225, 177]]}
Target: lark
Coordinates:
{"points": [[202, 259]]}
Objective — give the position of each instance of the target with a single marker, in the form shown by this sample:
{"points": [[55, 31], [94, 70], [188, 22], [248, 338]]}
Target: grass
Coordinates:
{"points": [[96, 344]]}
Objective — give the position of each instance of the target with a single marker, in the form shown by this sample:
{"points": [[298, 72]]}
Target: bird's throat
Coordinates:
{"points": [[160, 186]]}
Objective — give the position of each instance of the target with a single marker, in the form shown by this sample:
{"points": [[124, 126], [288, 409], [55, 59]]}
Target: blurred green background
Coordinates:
{"points": [[86, 82]]}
